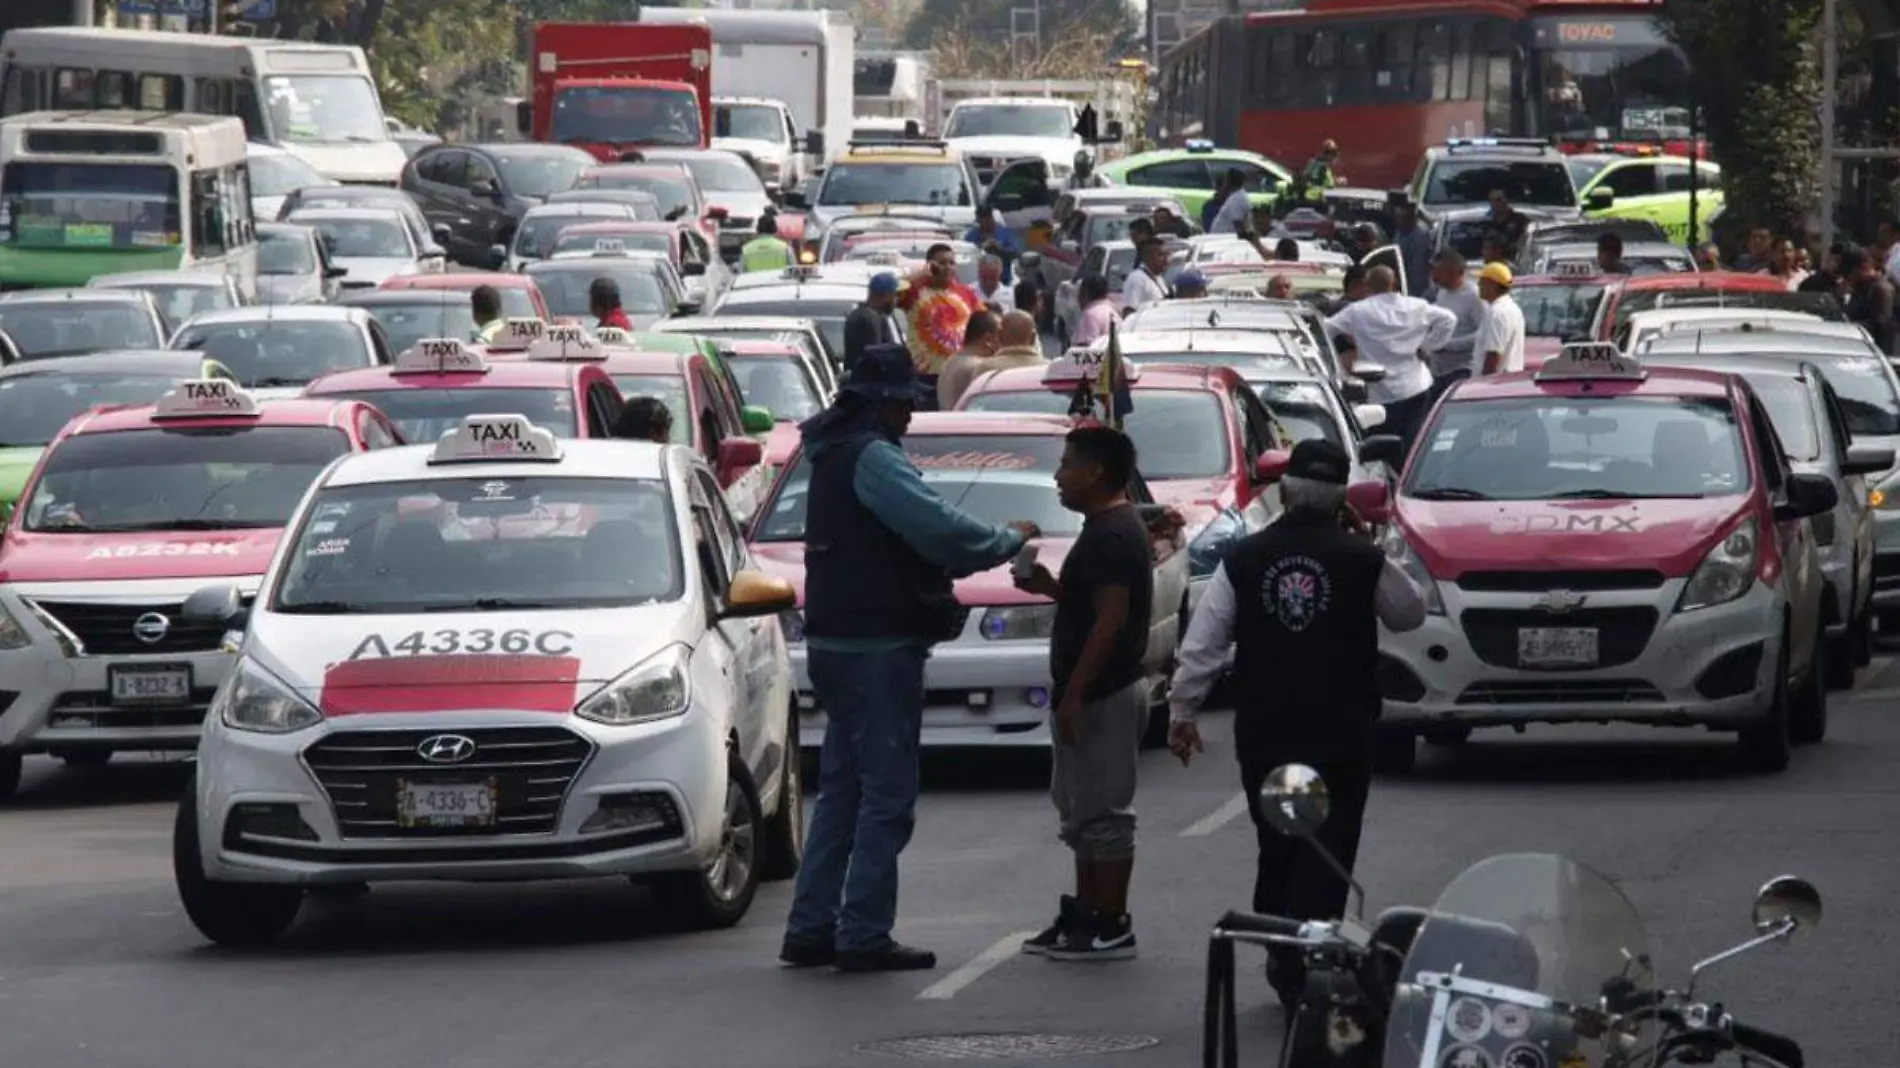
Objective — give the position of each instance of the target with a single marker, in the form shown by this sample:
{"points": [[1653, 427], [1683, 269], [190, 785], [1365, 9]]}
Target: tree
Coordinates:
{"points": [[430, 57], [989, 20], [1758, 83]]}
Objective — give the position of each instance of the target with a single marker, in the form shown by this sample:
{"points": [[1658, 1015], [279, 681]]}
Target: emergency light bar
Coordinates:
{"points": [[1198, 144], [517, 334], [208, 398], [492, 438], [612, 335], [1599, 361], [1457, 143], [439, 355]]}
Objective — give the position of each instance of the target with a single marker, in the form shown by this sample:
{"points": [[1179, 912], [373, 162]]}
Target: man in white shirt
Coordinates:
{"points": [[1392, 331], [1500, 344], [990, 287], [1458, 296], [1144, 285], [1235, 208]]}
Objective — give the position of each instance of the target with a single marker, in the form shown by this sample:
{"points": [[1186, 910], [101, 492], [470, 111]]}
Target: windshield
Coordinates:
{"points": [[1511, 966], [180, 479], [1009, 120], [1246, 364], [723, 174], [89, 205], [566, 290], [1560, 311], [935, 184], [638, 203], [669, 390], [626, 115], [1177, 433], [1546, 448], [540, 174], [1607, 79], [748, 122], [1825, 305], [70, 328], [1636, 264], [277, 173], [272, 355], [673, 195], [424, 415], [34, 407], [432, 315], [285, 254], [362, 238], [180, 302], [1582, 169], [325, 109], [643, 241], [1455, 181], [777, 383], [1864, 385], [827, 316], [1303, 410], [483, 543], [995, 478], [534, 238]]}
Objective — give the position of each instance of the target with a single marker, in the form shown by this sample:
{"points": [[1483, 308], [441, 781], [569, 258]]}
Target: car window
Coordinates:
{"points": [[271, 355], [33, 407], [285, 254], [1558, 310], [725, 528], [670, 391], [1471, 181], [69, 328], [1836, 420], [1173, 174], [778, 383], [1768, 448], [1791, 411], [934, 184], [1631, 180], [1865, 387], [365, 238], [428, 317], [1301, 411]]}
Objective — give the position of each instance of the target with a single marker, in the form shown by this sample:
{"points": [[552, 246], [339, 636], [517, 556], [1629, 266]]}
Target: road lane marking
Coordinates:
{"points": [[1008, 946], [1216, 819]]}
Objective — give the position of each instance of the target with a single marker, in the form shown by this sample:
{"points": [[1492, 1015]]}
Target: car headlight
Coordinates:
{"points": [[1061, 170], [792, 622], [1400, 552], [1210, 546], [1726, 572], [252, 699], [12, 635], [769, 170], [1019, 621], [656, 689]]}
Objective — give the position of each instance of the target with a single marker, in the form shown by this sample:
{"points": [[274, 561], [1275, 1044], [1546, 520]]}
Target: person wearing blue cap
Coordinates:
{"points": [[881, 551], [870, 322], [1189, 285]]}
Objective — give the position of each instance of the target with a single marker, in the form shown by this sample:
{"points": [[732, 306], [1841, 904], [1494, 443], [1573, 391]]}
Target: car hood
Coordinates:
{"points": [[739, 205], [1672, 536], [368, 271], [825, 215], [786, 559], [1053, 149], [378, 163], [289, 289], [43, 557], [16, 465], [752, 147]]}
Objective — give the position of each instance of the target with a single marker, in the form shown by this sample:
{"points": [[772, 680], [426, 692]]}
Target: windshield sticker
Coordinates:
{"points": [[1567, 524], [1464, 1056], [999, 461], [1510, 1021], [474, 641], [495, 491], [1498, 437], [196, 548], [1469, 1020], [1523, 1055], [330, 547]]}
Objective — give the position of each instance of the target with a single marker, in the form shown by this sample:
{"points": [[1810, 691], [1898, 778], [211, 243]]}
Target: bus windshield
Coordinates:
{"points": [[628, 114], [325, 109], [89, 205], [1608, 78]]}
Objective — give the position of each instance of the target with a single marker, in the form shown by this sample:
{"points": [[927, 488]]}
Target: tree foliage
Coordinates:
{"points": [[1757, 80], [988, 21]]}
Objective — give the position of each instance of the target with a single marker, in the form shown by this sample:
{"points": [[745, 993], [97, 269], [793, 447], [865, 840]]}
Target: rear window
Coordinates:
{"points": [[34, 407], [1545, 183], [268, 355], [1558, 311], [1864, 385], [828, 316], [442, 316], [1177, 433], [74, 327], [1825, 305], [669, 390], [777, 383], [424, 415]]}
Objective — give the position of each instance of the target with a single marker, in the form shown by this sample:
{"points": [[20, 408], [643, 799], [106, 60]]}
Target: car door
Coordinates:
{"points": [[1021, 195], [1794, 538], [1165, 622], [1253, 424], [746, 490], [739, 650], [439, 194], [487, 201]]}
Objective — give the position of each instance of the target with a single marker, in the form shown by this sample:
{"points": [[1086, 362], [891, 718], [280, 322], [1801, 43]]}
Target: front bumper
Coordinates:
{"points": [[319, 805], [1712, 667]]}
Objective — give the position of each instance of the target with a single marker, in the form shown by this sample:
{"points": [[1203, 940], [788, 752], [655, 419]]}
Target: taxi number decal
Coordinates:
{"points": [[1570, 524], [1002, 461], [196, 548], [476, 641]]}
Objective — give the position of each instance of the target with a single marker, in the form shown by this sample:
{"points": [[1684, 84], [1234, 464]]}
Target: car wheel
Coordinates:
{"points": [[785, 832], [11, 763], [719, 894], [230, 914], [1394, 751], [1863, 641], [1807, 717], [1840, 660], [1766, 746]]}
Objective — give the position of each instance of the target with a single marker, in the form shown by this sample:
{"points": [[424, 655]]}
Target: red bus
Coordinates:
{"points": [[1387, 79]]}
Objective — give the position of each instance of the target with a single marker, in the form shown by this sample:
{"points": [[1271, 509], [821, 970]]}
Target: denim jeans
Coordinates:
{"points": [[867, 795]]}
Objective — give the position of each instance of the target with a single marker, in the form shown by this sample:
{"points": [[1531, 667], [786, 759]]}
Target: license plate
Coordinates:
{"points": [[1557, 646], [445, 804], [150, 686]]}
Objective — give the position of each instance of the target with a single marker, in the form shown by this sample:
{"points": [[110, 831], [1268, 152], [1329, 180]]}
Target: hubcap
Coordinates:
{"points": [[732, 866]]}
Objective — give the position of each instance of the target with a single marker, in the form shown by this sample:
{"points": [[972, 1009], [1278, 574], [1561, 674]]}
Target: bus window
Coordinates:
{"points": [[72, 90], [211, 97], [22, 91], [1434, 49], [250, 111], [161, 92], [207, 221]]}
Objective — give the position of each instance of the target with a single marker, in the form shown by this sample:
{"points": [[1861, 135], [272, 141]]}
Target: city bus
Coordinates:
{"points": [[316, 101], [104, 192], [1386, 79]]}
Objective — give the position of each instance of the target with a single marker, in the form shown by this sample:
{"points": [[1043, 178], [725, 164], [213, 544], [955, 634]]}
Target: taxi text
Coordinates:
{"points": [[196, 548], [1568, 524], [473, 641]]}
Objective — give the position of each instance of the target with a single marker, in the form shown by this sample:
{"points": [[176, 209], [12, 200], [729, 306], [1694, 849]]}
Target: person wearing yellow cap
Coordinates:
{"points": [[1500, 345]]}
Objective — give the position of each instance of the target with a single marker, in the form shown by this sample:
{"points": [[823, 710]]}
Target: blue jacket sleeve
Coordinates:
{"points": [[888, 484]]}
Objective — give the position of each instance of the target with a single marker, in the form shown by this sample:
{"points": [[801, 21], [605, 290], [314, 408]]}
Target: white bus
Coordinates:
{"points": [[104, 192], [316, 101]]}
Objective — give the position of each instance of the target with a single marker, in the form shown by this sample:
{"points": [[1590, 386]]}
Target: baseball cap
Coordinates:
{"points": [[1190, 279], [884, 282], [1319, 460], [1496, 272]]}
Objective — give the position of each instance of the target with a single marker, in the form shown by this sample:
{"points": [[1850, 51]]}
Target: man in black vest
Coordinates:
{"points": [[1300, 603], [881, 549]]}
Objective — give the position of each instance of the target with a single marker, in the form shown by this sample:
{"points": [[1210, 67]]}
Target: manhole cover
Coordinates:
{"points": [[1007, 1047]]}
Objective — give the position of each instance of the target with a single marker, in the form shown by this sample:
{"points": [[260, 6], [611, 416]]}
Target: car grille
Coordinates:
{"points": [[94, 710], [1887, 571], [1561, 692], [1622, 632], [736, 222], [1545, 581], [533, 767], [106, 629]]}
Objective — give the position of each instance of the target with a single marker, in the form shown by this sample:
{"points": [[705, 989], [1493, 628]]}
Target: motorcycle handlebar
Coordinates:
{"points": [[1777, 1047], [1254, 923]]}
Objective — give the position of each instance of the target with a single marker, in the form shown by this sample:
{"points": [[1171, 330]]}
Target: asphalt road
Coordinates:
{"points": [[99, 967]]}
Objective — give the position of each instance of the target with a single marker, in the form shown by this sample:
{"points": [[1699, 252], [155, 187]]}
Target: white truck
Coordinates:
{"points": [[891, 85], [802, 60], [993, 123]]}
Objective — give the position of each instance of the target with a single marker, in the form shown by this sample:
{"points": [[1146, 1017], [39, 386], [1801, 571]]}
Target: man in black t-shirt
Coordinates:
{"points": [[1103, 601]]}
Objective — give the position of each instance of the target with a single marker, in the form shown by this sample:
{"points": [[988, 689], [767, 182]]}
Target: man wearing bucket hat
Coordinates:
{"points": [[1500, 344], [881, 549]]}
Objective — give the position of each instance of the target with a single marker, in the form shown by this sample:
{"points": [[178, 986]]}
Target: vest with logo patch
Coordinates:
{"points": [[1306, 641]]}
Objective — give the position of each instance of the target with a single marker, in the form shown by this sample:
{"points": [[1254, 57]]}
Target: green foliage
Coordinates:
{"points": [[988, 20]]}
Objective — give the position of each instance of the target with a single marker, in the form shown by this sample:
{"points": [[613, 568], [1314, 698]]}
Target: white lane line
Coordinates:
{"points": [[1216, 819], [1005, 947]]}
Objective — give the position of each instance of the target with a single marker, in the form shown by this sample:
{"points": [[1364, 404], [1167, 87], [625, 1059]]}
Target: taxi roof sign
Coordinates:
{"points": [[207, 398], [1575, 269], [439, 355], [492, 438], [566, 342], [610, 244], [517, 334], [1081, 363], [1598, 361], [612, 335]]}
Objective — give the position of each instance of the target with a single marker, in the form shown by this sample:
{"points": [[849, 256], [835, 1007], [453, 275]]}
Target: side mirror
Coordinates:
{"points": [[524, 118], [1294, 800], [754, 593], [794, 198], [814, 143], [1599, 199], [739, 454], [497, 257], [716, 212], [441, 231], [1271, 466], [1786, 903], [1369, 375], [1370, 499], [756, 419], [686, 307], [1369, 415], [1866, 460], [218, 605], [1112, 133], [1807, 495], [1388, 449], [335, 272]]}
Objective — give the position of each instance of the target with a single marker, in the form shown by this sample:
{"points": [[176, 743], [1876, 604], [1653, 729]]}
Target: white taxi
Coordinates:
{"points": [[500, 657]]}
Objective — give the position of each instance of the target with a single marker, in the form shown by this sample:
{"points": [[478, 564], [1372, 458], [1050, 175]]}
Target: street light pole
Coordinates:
{"points": [[82, 13], [1830, 78]]}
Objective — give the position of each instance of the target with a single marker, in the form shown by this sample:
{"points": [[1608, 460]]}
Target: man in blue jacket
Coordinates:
{"points": [[881, 549]]}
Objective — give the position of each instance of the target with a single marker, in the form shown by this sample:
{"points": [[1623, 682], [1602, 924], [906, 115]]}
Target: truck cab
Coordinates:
{"points": [[612, 88], [764, 132]]}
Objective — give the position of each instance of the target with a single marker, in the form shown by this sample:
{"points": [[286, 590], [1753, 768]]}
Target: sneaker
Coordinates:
{"points": [[889, 957], [1066, 912], [1097, 938], [807, 952]]}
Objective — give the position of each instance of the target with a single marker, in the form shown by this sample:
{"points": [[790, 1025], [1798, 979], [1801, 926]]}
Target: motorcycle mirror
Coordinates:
{"points": [[1294, 800], [1786, 904]]}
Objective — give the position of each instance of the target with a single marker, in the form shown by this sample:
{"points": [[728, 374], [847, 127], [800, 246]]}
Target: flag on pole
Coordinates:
{"points": [[1111, 385]]}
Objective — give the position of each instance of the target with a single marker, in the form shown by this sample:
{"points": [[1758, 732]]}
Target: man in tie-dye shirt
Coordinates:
{"points": [[939, 306]]}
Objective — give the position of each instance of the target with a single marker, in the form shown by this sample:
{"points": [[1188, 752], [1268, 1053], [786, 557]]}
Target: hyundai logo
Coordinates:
{"points": [[446, 749], [151, 628]]}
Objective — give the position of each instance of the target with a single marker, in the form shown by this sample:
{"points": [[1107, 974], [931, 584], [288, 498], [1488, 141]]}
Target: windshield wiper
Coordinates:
{"points": [[323, 608], [1448, 493], [1619, 495], [189, 524], [496, 604], [277, 383]]}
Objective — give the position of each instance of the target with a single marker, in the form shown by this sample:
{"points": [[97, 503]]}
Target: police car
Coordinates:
{"points": [[437, 683], [1600, 542], [130, 510]]}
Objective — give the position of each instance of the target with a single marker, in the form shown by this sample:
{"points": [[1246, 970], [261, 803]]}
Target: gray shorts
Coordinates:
{"points": [[1093, 781]]}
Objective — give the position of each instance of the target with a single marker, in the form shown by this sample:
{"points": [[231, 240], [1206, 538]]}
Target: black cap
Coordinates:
{"points": [[886, 373], [1319, 460]]}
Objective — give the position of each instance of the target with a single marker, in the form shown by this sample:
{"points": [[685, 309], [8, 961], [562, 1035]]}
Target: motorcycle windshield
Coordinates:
{"points": [[1512, 967]]}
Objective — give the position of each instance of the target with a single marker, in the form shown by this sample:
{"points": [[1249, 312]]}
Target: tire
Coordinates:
{"points": [[1840, 660], [87, 758], [229, 914], [11, 763], [1863, 640], [719, 894], [1394, 751], [1889, 621], [1766, 746], [784, 846], [1807, 715]]}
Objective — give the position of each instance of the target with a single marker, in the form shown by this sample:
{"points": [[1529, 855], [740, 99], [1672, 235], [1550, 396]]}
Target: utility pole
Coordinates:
{"points": [[1830, 85], [83, 14]]}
